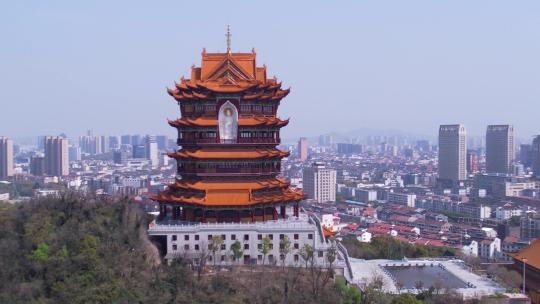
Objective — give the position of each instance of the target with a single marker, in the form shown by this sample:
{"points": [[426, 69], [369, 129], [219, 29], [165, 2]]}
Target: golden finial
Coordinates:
{"points": [[228, 35]]}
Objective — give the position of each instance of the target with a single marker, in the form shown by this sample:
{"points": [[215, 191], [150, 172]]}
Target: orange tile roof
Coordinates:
{"points": [[231, 197], [228, 72], [531, 253], [243, 121], [203, 185], [228, 154]]}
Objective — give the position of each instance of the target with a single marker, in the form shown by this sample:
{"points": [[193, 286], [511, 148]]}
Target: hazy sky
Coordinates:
{"points": [[68, 66]]}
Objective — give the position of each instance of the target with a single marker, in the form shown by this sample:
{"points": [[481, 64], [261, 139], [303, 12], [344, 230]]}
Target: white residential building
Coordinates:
{"points": [[489, 249], [471, 249], [406, 199], [319, 183], [506, 212], [193, 241]]}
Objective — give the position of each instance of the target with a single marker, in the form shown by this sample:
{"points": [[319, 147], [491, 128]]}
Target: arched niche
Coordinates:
{"points": [[228, 123]]}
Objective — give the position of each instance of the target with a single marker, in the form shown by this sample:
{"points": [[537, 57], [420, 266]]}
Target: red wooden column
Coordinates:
{"points": [[252, 216], [183, 214], [274, 214], [174, 214], [296, 209], [283, 211], [161, 215]]}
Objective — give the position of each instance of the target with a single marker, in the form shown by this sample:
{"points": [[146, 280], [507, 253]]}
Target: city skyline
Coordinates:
{"points": [[465, 62]]}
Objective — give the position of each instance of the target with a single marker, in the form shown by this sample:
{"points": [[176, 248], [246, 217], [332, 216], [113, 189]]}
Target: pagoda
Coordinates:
{"points": [[228, 163]]}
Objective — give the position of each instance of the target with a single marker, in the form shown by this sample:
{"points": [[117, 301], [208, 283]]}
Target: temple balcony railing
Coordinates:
{"points": [[238, 141], [229, 171]]}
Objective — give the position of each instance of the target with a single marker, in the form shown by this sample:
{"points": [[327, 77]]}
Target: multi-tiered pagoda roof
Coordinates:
{"points": [[228, 133]]}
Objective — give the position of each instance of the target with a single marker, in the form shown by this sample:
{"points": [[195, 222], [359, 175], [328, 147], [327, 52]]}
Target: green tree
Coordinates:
{"points": [[307, 254], [41, 254], [237, 251], [284, 248], [265, 247], [406, 298]]}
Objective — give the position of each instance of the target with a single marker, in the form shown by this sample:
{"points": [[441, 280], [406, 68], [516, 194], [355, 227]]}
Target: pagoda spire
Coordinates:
{"points": [[228, 35]]}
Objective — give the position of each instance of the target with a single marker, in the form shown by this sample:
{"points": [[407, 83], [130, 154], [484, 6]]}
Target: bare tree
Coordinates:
{"points": [[215, 246], [200, 259]]}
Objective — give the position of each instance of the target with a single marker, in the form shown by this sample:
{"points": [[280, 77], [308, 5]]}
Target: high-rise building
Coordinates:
{"points": [[499, 149], [74, 153], [114, 142], [6, 157], [423, 145], [346, 148], [525, 154], [139, 151], [104, 145], [136, 140], [37, 165], [125, 140], [91, 144], [535, 156], [229, 165], [120, 157], [162, 142], [151, 150], [472, 161], [452, 153], [56, 156], [319, 182], [302, 149]]}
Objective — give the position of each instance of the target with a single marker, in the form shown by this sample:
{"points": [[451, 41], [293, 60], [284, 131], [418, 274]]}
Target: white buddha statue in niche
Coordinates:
{"points": [[228, 122]]}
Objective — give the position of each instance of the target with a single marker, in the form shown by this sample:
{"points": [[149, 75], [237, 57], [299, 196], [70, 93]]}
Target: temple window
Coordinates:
{"points": [[268, 109], [245, 108], [174, 237], [246, 246], [246, 237], [209, 237], [296, 236], [186, 237], [186, 247], [310, 236], [174, 247], [197, 247]]}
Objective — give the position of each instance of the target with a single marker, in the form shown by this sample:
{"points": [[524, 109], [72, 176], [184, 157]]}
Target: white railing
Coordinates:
{"points": [[190, 226]]}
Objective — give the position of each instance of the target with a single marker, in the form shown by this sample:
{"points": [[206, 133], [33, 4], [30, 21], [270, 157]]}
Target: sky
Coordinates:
{"points": [[69, 66]]}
